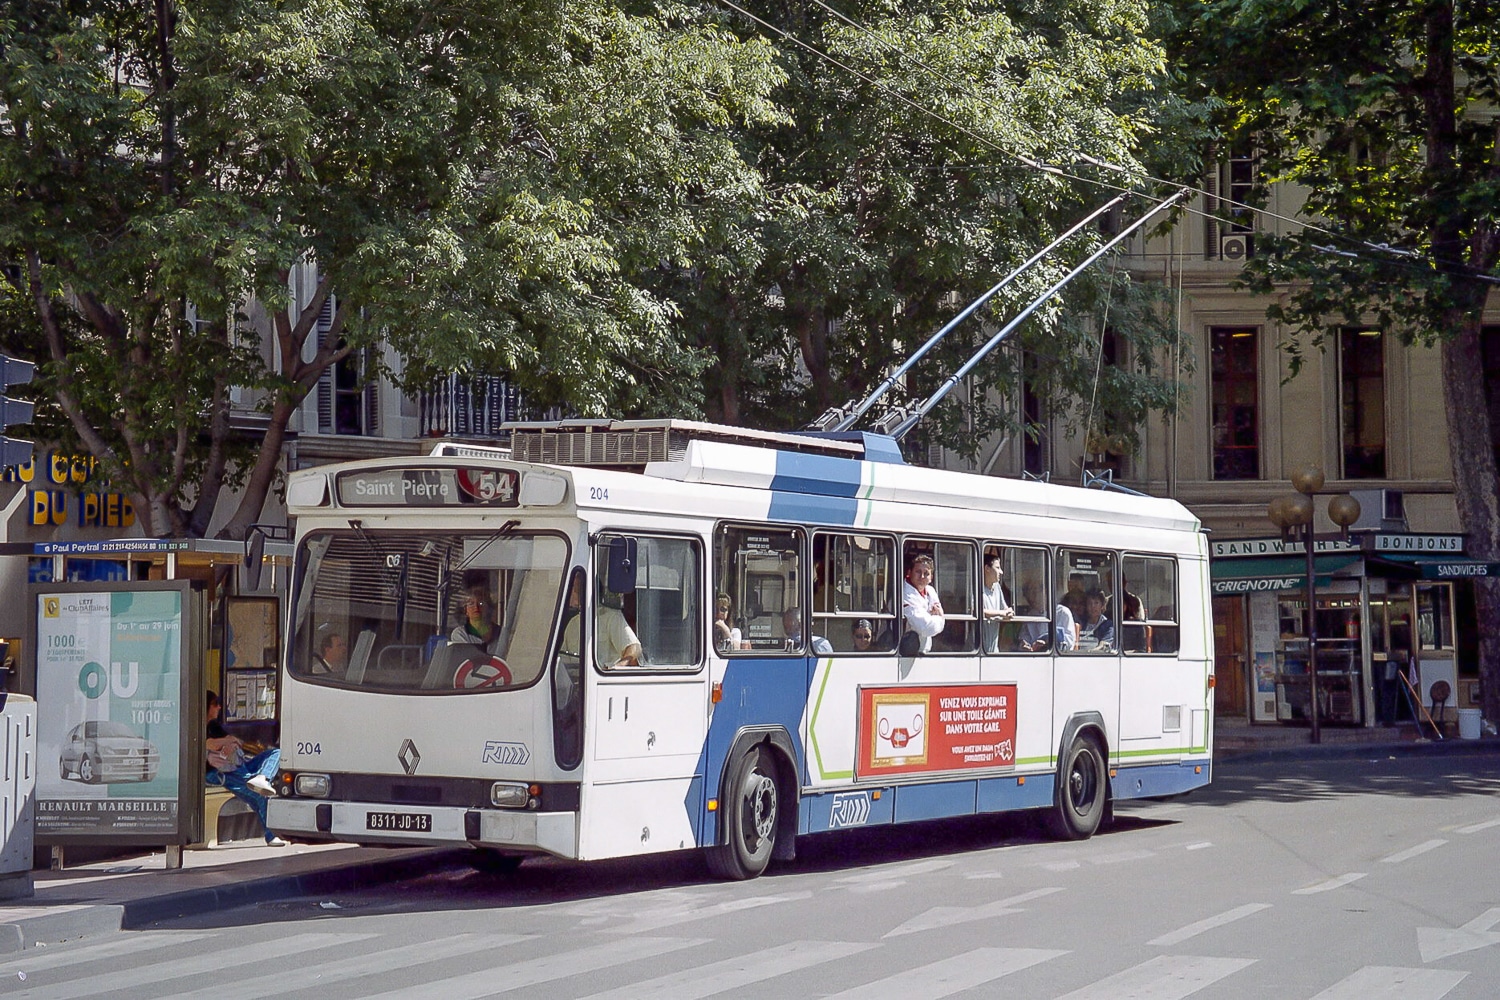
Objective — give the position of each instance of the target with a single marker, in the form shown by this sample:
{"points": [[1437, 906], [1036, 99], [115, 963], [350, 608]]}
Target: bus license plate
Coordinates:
{"points": [[399, 822]]}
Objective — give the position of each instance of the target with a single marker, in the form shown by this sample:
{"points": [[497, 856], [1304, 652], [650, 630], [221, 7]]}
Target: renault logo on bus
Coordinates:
{"points": [[409, 757]]}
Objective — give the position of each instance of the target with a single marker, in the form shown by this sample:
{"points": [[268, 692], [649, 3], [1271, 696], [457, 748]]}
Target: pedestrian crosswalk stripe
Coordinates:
{"points": [[735, 973], [1412, 852], [293, 977], [199, 964], [38, 960], [1477, 827], [947, 916], [1194, 929], [1325, 886], [549, 968], [1384, 982], [1170, 977], [951, 975], [647, 922]]}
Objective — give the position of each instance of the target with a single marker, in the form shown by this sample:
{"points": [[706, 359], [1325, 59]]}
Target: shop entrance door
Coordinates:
{"points": [[1230, 678]]}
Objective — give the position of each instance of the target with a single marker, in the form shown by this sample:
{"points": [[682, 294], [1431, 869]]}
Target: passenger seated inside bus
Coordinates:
{"points": [[1135, 635], [332, 653], [1040, 636], [726, 635], [478, 628], [1096, 631], [791, 625]]}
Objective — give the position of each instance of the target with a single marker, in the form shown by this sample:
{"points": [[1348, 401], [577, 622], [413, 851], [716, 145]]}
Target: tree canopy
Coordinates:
{"points": [[904, 183], [635, 208], [1385, 112], [479, 184]]}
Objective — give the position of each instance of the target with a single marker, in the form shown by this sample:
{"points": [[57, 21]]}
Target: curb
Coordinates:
{"points": [[1354, 751], [91, 920]]}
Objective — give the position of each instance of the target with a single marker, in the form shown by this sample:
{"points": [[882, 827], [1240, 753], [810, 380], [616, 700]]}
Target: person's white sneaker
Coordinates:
{"points": [[276, 842], [260, 784]]}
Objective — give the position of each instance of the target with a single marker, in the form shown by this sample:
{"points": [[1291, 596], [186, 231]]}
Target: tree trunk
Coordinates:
{"points": [[263, 473], [1474, 483]]}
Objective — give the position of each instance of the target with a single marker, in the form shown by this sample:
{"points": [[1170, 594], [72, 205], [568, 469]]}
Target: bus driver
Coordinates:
{"points": [[615, 642]]}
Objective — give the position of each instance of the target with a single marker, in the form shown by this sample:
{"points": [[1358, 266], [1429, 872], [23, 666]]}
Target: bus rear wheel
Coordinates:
{"points": [[1082, 791], [750, 813]]}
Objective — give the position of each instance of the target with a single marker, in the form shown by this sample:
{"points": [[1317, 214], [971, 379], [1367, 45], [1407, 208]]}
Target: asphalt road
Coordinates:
{"points": [[1349, 879]]}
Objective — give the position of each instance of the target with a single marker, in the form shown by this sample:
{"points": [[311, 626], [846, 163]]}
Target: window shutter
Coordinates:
{"points": [[325, 381]]}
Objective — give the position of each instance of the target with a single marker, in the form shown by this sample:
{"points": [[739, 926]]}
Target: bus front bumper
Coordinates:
{"points": [[554, 833]]}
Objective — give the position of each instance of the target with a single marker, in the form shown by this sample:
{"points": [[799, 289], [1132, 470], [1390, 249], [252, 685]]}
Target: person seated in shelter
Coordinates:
{"points": [[248, 779], [332, 653], [1096, 631], [478, 628], [791, 625], [921, 607]]}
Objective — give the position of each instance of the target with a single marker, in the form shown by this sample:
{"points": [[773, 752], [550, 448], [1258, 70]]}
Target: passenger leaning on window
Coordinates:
{"points": [[920, 603]]}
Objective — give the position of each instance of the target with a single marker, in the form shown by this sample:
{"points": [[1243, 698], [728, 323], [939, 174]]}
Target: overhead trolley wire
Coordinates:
{"points": [[1034, 164]]}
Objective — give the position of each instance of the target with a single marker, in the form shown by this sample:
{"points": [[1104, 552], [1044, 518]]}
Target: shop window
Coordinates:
{"points": [[853, 592], [1148, 605], [759, 570], [1088, 579], [1235, 389], [1435, 616], [1362, 403]]}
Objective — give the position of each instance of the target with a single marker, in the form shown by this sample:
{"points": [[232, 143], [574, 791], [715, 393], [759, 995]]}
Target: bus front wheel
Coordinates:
{"points": [[1082, 791], [750, 812]]}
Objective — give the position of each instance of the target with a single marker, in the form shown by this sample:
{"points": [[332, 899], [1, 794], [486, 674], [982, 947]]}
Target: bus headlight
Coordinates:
{"points": [[314, 786], [510, 794]]}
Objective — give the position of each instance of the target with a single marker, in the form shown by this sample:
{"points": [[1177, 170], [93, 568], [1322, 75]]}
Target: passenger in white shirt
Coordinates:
{"points": [[920, 604]]}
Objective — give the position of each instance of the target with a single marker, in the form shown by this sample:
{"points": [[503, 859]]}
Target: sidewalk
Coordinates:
{"points": [[110, 896]]}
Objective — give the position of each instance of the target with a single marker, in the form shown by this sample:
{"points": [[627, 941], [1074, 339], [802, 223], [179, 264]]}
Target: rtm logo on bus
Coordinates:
{"points": [[505, 753]]}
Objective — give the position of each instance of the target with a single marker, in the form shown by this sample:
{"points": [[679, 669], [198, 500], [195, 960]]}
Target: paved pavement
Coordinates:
{"points": [[124, 893]]}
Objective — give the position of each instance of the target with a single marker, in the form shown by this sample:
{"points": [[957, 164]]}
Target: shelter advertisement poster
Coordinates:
{"points": [[950, 727], [109, 693]]}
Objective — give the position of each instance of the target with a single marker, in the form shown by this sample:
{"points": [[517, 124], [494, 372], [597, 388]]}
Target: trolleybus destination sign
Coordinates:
{"points": [[427, 487]]}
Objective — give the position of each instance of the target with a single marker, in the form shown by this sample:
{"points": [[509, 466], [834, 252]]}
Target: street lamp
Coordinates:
{"points": [[1294, 516]]}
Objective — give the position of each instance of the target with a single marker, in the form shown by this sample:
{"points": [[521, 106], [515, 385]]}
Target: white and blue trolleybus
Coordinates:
{"points": [[626, 638]]}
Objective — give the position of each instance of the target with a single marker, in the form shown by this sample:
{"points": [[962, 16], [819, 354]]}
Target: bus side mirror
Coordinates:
{"points": [[621, 576], [255, 550]]}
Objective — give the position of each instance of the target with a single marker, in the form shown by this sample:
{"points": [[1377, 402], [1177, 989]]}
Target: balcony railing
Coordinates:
{"points": [[469, 406]]}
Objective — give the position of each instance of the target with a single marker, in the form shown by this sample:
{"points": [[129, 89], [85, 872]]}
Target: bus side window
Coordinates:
{"points": [[1149, 605], [759, 570], [852, 600], [649, 594]]}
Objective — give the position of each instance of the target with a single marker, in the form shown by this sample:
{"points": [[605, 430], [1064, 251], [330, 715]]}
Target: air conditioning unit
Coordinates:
{"points": [[1379, 510], [1236, 246]]}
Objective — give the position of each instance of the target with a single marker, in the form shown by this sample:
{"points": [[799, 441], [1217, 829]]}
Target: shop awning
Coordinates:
{"points": [[1430, 567], [1246, 576]]}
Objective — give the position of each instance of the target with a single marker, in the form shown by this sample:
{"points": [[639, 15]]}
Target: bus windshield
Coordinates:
{"points": [[424, 612]]}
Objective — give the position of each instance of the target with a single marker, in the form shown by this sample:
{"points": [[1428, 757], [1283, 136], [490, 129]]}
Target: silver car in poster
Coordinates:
{"points": [[107, 751]]}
